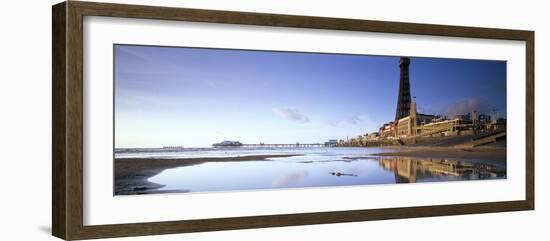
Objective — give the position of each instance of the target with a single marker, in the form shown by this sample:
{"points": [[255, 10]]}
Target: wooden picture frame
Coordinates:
{"points": [[67, 124]]}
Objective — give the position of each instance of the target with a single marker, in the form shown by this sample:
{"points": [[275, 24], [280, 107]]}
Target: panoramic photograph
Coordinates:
{"points": [[190, 120]]}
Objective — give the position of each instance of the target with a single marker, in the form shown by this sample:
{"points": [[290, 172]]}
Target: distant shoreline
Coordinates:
{"points": [[131, 174]]}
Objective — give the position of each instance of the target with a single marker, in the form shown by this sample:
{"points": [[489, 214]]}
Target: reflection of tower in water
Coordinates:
{"points": [[405, 171]]}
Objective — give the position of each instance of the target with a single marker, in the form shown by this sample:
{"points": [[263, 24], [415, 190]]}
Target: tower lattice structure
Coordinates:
{"points": [[404, 96]]}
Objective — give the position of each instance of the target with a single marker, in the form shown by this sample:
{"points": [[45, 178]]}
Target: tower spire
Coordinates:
{"points": [[404, 96]]}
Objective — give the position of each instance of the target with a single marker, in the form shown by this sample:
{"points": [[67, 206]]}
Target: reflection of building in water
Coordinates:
{"points": [[405, 171], [410, 171]]}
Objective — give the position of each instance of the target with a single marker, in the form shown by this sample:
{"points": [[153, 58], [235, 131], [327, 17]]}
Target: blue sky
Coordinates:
{"points": [[195, 97]]}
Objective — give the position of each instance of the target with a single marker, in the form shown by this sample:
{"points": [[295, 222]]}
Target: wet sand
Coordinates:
{"points": [[131, 174], [487, 153]]}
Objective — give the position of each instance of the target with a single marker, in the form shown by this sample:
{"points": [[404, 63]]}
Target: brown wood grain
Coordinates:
{"points": [[67, 123], [58, 121], [530, 120]]}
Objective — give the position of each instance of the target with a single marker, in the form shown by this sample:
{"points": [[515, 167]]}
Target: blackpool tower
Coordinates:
{"points": [[404, 96]]}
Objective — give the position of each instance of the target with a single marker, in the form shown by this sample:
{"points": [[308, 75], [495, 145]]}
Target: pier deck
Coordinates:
{"points": [[296, 145]]}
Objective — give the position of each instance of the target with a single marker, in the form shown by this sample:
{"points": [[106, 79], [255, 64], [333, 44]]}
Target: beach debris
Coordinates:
{"points": [[342, 174], [140, 188]]}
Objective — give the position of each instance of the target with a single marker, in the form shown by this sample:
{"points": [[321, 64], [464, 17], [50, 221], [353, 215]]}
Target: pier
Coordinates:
{"points": [[295, 145]]}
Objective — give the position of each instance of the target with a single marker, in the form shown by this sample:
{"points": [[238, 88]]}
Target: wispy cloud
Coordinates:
{"points": [[210, 83], [291, 114], [290, 179], [467, 106], [351, 120]]}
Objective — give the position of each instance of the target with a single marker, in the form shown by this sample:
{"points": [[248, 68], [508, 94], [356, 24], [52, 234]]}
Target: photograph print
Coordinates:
{"points": [[191, 120]]}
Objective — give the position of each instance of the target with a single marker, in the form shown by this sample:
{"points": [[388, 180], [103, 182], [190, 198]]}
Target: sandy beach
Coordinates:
{"points": [[490, 153], [131, 174]]}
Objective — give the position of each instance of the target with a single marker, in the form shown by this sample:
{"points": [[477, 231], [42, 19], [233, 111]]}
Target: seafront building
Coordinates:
{"points": [[408, 123]]}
